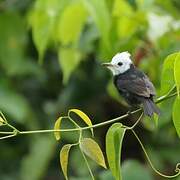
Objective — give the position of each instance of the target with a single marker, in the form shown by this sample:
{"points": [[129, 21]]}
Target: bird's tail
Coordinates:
{"points": [[150, 108]]}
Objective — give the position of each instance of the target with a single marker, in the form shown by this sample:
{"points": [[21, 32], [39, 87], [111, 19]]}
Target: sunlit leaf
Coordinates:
{"points": [[122, 8], [114, 138], [42, 20], [100, 14], [167, 77], [64, 156], [128, 20], [177, 73], [57, 127], [69, 58], [71, 23], [84, 117], [2, 118], [92, 150], [144, 5], [1, 121], [176, 115]]}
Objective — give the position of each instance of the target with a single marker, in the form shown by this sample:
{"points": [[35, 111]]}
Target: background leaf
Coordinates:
{"points": [[177, 73], [42, 20], [92, 149], [99, 12], [64, 156], [69, 59], [14, 104], [114, 138], [57, 126], [75, 14], [176, 115]]}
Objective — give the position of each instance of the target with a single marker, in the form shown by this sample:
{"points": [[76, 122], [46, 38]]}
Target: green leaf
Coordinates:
{"points": [[13, 43], [71, 23], [128, 20], [42, 20], [167, 77], [114, 138], [92, 150], [176, 115], [84, 117], [126, 27], [69, 59], [177, 73], [57, 126], [64, 156], [100, 14], [14, 104], [122, 8]]}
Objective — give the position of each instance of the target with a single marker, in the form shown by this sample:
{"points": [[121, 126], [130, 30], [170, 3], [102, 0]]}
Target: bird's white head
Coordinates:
{"points": [[120, 63]]}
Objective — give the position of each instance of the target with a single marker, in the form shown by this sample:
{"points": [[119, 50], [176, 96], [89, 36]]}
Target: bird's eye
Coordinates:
{"points": [[120, 64]]}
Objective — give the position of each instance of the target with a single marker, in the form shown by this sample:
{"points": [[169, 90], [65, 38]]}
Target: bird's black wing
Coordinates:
{"points": [[136, 83]]}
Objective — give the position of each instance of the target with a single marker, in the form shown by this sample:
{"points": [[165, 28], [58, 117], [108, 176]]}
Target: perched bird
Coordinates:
{"points": [[132, 83]]}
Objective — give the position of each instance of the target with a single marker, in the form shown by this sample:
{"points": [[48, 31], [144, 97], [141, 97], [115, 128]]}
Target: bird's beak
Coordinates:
{"points": [[107, 65]]}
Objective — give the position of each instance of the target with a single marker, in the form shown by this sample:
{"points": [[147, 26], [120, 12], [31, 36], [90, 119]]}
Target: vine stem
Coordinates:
{"points": [[9, 136], [87, 164], [133, 126], [152, 166], [159, 100], [16, 132]]}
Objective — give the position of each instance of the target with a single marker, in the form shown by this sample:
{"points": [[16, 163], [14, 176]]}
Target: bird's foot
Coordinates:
{"points": [[129, 112]]}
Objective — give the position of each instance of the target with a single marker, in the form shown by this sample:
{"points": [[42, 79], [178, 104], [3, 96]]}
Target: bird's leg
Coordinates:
{"points": [[131, 109], [129, 112]]}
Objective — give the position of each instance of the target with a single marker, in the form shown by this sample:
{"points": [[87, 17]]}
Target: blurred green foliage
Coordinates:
{"points": [[71, 38]]}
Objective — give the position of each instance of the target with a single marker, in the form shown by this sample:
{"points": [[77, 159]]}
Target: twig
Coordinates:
{"points": [[165, 97]]}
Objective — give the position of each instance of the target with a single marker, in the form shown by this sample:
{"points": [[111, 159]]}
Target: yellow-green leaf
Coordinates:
{"points": [[92, 150], [71, 23], [167, 76], [69, 59], [3, 117], [114, 138], [57, 127], [1, 121], [176, 115], [64, 156], [42, 20], [122, 8], [84, 117], [177, 73]]}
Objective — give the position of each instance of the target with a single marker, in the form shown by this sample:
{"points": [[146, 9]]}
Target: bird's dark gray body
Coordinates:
{"points": [[137, 89]]}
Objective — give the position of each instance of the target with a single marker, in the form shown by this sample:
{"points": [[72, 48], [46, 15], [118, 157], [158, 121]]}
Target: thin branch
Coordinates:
{"points": [[133, 126], [6, 137], [87, 164], [6, 132], [160, 99], [151, 164]]}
